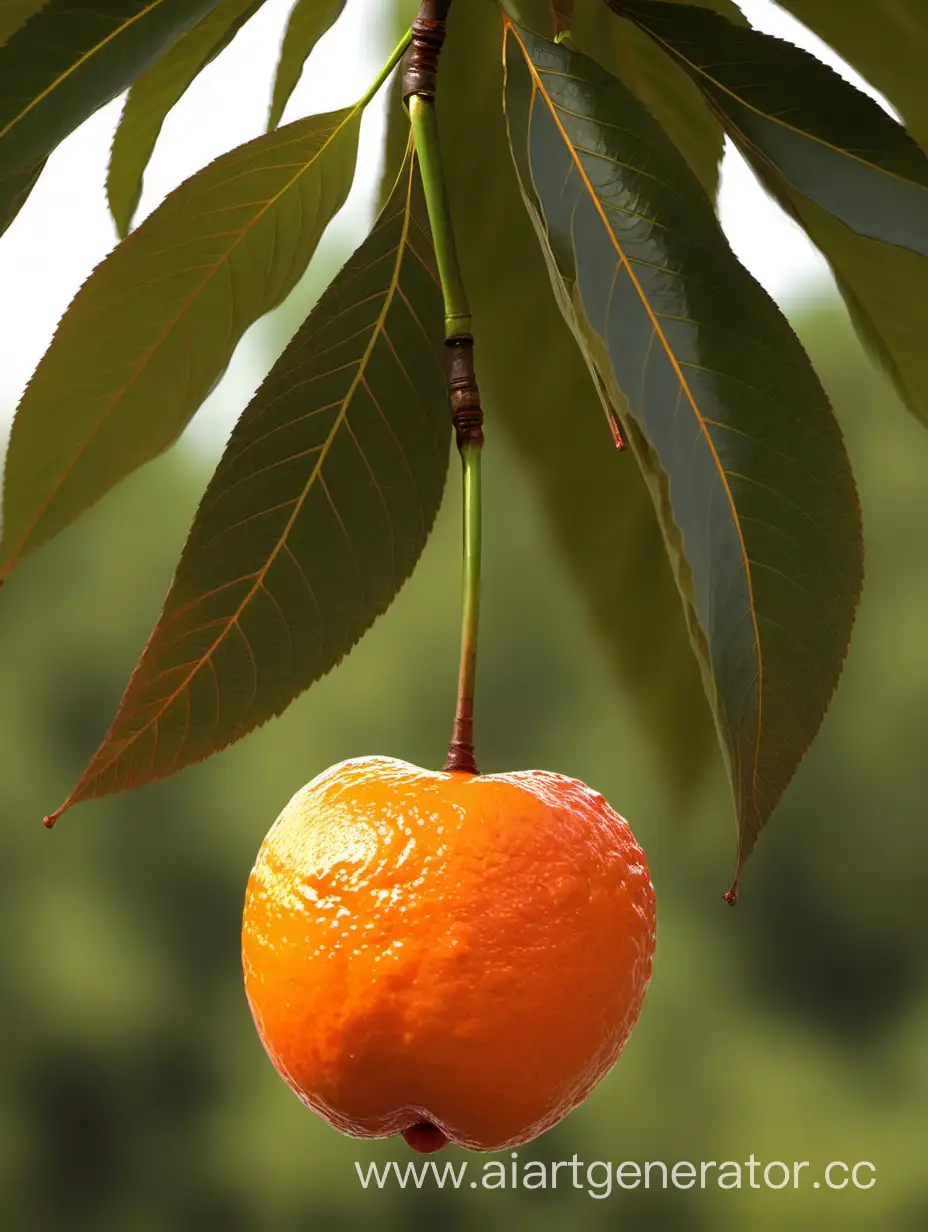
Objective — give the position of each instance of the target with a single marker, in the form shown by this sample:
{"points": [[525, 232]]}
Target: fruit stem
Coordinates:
{"points": [[419, 89], [425, 130], [461, 747]]}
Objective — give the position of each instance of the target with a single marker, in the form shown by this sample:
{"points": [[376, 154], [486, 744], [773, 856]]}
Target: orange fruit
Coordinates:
{"points": [[446, 955]]}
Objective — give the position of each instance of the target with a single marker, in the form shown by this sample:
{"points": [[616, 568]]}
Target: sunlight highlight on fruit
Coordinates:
{"points": [[443, 955]]}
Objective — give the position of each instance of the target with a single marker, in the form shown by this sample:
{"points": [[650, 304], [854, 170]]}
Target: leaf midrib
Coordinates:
{"points": [[538, 86], [678, 55], [141, 365], [283, 538], [97, 47]]}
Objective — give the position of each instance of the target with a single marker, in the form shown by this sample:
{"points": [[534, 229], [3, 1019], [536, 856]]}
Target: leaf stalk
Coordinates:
{"points": [[392, 61]]}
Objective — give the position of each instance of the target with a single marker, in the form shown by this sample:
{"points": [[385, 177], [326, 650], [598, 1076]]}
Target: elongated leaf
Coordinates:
{"points": [[315, 517], [744, 458], [70, 59], [657, 81], [834, 160], [15, 13], [14, 191], [538, 396], [153, 96], [309, 20], [887, 42], [826, 139], [153, 328]]}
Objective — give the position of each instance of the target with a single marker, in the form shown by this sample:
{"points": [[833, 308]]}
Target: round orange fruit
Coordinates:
{"points": [[446, 955]]}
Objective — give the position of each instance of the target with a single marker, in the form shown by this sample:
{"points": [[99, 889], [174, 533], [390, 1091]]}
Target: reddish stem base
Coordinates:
{"points": [[425, 1137]]}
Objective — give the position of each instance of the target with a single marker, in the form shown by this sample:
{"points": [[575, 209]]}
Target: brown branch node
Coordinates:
{"points": [[463, 394], [460, 758], [428, 36]]}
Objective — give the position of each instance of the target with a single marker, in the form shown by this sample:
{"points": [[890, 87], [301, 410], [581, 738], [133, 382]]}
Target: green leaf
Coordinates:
{"points": [[886, 42], [315, 517], [734, 433], [309, 20], [657, 81], [153, 328], [825, 139], [14, 191], [536, 14], [15, 13], [153, 96], [538, 396], [70, 59], [835, 161]]}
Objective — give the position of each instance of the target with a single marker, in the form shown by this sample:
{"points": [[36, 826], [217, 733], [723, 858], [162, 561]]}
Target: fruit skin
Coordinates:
{"points": [[470, 951]]}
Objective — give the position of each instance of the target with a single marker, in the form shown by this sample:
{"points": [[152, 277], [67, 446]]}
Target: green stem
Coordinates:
{"points": [[425, 131], [420, 88], [392, 61]]}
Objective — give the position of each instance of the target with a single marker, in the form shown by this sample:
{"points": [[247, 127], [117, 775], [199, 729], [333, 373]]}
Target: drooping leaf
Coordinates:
{"points": [[887, 42], [155, 93], [734, 433], [15, 13], [15, 188], [70, 59], [14, 191], [822, 136], [314, 519], [539, 396], [153, 328], [309, 20], [844, 169], [657, 81]]}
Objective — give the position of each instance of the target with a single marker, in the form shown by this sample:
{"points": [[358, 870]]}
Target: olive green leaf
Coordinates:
{"points": [[844, 169], [309, 20], [155, 93], [15, 188], [14, 191], [536, 14], [733, 431], [69, 59], [824, 138], [153, 328], [15, 13], [539, 397], [657, 81], [314, 519], [886, 41]]}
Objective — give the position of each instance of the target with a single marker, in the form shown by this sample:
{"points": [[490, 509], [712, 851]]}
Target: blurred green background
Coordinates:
{"points": [[134, 1094]]}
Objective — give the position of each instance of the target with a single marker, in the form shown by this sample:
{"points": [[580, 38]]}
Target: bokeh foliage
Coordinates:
{"points": [[134, 1094]]}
